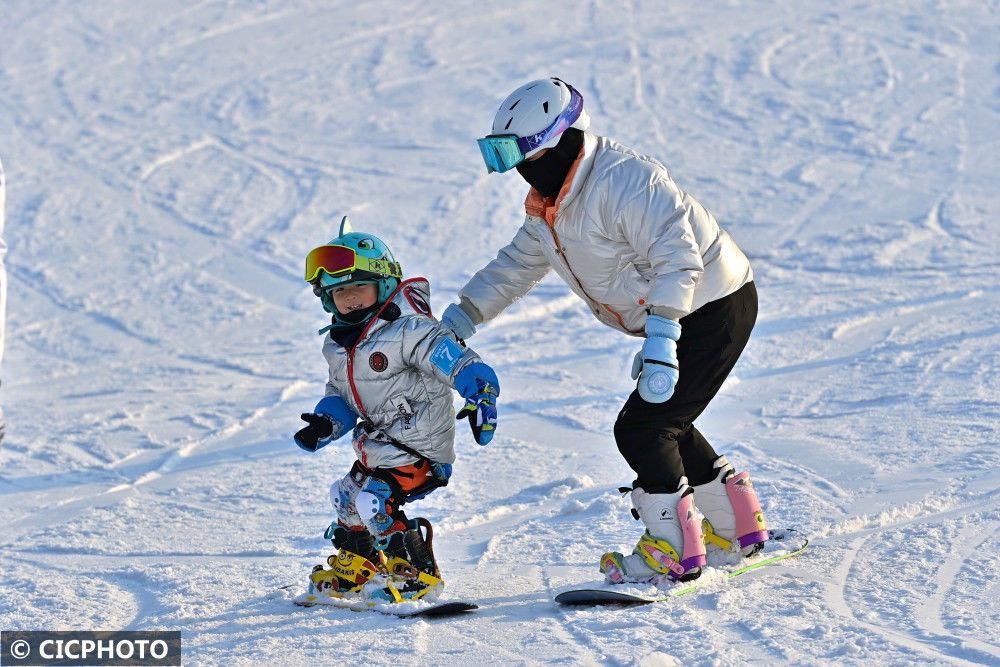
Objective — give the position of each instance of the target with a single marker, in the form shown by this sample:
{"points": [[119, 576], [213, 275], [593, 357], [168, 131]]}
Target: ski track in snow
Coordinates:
{"points": [[169, 168]]}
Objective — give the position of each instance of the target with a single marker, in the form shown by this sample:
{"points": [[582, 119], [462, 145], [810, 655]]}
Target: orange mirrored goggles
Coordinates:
{"points": [[338, 260]]}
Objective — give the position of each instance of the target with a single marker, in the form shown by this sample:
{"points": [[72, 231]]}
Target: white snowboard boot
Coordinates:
{"points": [[672, 548], [734, 520]]}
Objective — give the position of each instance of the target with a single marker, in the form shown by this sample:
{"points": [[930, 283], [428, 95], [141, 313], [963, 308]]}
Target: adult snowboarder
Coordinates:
{"points": [[649, 261]]}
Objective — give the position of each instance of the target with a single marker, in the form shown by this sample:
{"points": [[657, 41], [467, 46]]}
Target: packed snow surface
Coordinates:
{"points": [[170, 164]]}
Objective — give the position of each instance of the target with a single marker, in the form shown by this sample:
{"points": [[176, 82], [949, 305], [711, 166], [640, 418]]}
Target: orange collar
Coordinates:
{"points": [[547, 207]]}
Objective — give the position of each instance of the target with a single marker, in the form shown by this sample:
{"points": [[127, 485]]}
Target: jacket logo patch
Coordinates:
{"points": [[378, 362], [446, 355], [405, 412]]}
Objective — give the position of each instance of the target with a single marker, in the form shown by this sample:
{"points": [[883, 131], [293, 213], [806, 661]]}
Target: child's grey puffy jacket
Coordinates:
{"points": [[391, 381]]}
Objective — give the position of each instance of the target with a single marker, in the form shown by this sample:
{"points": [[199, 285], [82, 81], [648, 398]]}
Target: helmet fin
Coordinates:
{"points": [[345, 227]]}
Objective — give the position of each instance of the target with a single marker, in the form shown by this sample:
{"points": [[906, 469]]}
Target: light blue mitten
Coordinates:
{"points": [[456, 319], [655, 365]]}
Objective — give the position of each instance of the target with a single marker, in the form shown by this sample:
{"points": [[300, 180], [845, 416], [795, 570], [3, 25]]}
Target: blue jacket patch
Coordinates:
{"points": [[446, 355]]}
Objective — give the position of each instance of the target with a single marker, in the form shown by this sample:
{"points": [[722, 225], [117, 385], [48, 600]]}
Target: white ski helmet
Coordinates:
{"points": [[534, 107]]}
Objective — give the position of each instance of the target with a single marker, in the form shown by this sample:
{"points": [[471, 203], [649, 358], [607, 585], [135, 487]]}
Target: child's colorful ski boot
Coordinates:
{"points": [[671, 549], [408, 560], [351, 568], [734, 520]]}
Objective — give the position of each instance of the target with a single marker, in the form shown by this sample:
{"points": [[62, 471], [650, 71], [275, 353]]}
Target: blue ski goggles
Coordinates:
{"points": [[503, 152]]}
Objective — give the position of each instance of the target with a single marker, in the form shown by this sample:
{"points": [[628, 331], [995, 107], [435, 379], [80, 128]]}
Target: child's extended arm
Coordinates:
{"points": [[331, 418], [433, 348]]}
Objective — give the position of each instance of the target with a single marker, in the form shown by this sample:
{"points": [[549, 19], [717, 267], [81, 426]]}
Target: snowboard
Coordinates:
{"points": [[782, 544], [400, 609]]}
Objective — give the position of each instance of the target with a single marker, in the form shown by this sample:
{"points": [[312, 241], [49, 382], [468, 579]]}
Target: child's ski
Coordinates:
{"points": [[402, 609], [781, 545]]}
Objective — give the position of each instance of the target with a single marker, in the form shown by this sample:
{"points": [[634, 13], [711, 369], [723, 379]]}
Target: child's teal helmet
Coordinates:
{"points": [[352, 257]]}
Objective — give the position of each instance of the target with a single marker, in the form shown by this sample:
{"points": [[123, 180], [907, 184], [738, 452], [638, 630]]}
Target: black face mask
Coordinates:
{"points": [[548, 173], [360, 315]]}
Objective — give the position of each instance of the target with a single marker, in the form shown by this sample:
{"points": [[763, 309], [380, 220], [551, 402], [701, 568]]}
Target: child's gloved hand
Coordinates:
{"points": [[481, 411], [478, 385], [311, 437], [655, 365], [332, 418]]}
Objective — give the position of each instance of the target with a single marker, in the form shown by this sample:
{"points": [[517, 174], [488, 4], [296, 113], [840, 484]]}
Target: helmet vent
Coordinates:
{"points": [[545, 106], [507, 126], [514, 105]]}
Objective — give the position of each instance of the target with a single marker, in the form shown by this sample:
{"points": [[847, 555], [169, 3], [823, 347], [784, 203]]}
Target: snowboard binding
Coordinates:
{"points": [[404, 570], [409, 564]]}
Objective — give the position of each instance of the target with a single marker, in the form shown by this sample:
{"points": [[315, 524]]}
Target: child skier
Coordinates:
{"points": [[392, 369]]}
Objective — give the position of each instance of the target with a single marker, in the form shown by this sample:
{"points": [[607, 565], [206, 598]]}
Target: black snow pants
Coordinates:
{"points": [[659, 440]]}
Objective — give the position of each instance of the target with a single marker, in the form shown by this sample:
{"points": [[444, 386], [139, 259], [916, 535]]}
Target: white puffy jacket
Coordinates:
{"points": [[389, 378], [625, 239]]}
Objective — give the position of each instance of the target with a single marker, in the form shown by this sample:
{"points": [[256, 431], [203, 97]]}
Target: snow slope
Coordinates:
{"points": [[170, 164]]}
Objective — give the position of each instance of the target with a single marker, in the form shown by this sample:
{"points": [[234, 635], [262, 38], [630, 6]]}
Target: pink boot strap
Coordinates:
{"points": [[750, 524], [694, 540]]}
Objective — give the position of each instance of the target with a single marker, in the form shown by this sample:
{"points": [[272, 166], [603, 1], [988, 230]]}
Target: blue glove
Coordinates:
{"points": [[332, 417], [655, 365], [456, 319], [478, 385]]}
